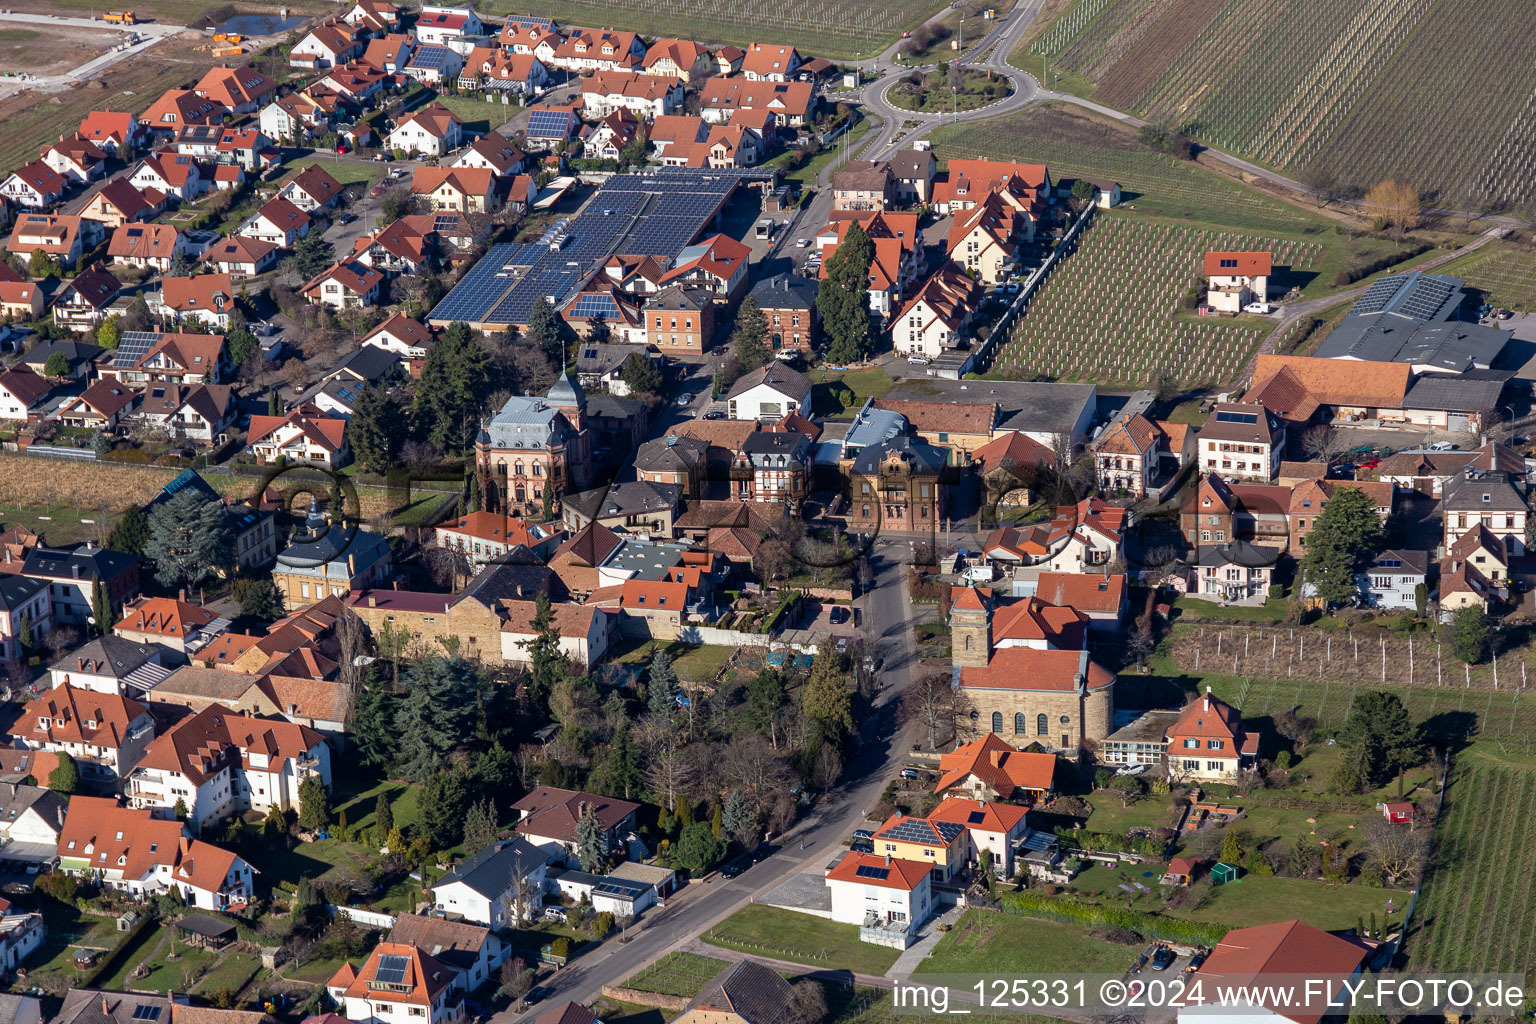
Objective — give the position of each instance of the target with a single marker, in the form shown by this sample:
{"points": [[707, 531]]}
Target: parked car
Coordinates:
{"points": [[1163, 958], [1131, 769], [1443, 446], [714, 414], [555, 914], [535, 994], [733, 869], [917, 360], [1256, 307], [838, 614], [910, 774], [802, 243], [684, 400], [864, 847], [862, 835], [1370, 463]]}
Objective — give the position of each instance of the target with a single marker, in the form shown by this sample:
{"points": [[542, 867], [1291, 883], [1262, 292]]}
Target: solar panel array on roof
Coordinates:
{"points": [[619, 888], [431, 57], [146, 1012], [133, 346], [1422, 297], [594, 306], [548, 124], [919, 830], [870, 871], [392, 970], [1237, 417]]}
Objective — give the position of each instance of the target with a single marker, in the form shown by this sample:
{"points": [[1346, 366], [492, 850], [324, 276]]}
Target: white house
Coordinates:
{"points": [[444, 25], [21, 391], [332, 42], [402, 336], [887, 897], [585, 631], [349, 284], [280, 222], [770, 393], [311, 189], [304, 435], [142, 855], [993, 827], [218, 763], [1241, 441], [473, 952], [398, 982], [432, 131], [105, 733], [34, 186], [30, 814], [1236, 279], [497, 886], [646, 96], [1393, 578], [105, 662]]}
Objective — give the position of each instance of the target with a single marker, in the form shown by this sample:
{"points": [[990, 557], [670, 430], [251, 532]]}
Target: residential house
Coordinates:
{"points": [[432, 130], [1235, 571], [349, 284], [205, 300], [303, 435], [130, 850], [173, 358], [888, 896], [333, 41], [59, 236], [172, 174], [1241, 441], [788, 302], [862, 185], [933, 321], [774, 466], [646, 96], [576, 561], [310, 189], [993, 828], [679, 320], [1139, 455], [746, 992], [1392, 580], [20, 301], [24, 607], [728, 60], [550, 126], [494, 153], [237, 90], [985, 238], [241, 256], [21, 392], [898, 483], [719, 264], [373, 15], [1101, 598], [177, 108], [632, 506], [511, 74], [912, 174], [1484, 552], [199, 412], [105, 733], [592, 50], [114, 132], [401, 335], [175, 624], [434, 65], [1485, 498], [279, 222], [84, 303], [531, 443], [612, 136], [793, 102], [108, 663], [989, 769], [768, 393], [1254, 960], [441, 26], [118, 202], [75, 157], [34, 186], [397, 980], [940, 845], [673, 460], [967, 183], [549, 818], [150, 246], [466, 189], [99, 407], [473, 952], [1209, 743], [80, 356], [1310, 497], [329, 560], [1428, 472], [765, 62], [217, 763], [487, 537], [1237, 278]]}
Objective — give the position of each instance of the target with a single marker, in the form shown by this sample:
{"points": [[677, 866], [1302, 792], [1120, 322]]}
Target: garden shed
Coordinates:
{"points": [[1223, 873]]}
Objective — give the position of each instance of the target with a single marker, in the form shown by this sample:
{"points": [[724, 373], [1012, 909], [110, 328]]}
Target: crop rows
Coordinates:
{"points": [[1108, 311], [1352, 91], [1507, 277], [834, 27], [1475, 912]]}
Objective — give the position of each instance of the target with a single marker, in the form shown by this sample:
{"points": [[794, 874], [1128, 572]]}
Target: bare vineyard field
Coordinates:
{"points": [[1476, 909], [840, 29], [1108, 313], [1506, 276], [1154, 183], [1346, 92]]}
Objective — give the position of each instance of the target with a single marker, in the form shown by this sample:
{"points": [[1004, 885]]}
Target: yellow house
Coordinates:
{"points": [[20, 300], [940, 844]]}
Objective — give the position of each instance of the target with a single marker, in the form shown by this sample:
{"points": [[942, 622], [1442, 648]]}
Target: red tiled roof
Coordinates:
{"points": [[885, 872], [997, 765], [994, 817], [1237, 264], [1025, 668]]}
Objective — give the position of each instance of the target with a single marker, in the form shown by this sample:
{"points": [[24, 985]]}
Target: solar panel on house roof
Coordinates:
{"points": [[134, 345], [146, 1012], [976, 817], [547, 123], [432, 57], [1237, 417], [392, 970], [913, 831], [870, 871], [592, 306], [619, 888]]}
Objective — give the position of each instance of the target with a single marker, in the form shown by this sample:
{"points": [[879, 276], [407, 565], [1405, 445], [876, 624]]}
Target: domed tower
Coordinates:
{"points": [[566, 395]]}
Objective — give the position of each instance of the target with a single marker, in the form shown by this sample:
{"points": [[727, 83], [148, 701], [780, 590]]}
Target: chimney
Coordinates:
{"points": [[1207, 697], [75, 571], [887, 860], [351, 564], [373, 602], [181, 595]]}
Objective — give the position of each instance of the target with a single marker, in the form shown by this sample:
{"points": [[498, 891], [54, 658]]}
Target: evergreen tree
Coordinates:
{"points": [[480, 829], [623, 765], [591, 842], [642, 376], [737, 818], [543, 332], [435, 717], [547, 508], [314, 804], [190, 539], [749, 340], [453, 386], [697, 849], [24, 633], [547, 663], [101, 607], [1379, 723], [843, 299], [1470, 634], [383, 816], [258, 598], [242, 345], [312, 255], [274, 402], [274, 825], [826, 696], [662, 698], [377, 429], [1343, 540], [445, 799], [179, 809], [65, 779], [131, 532]]}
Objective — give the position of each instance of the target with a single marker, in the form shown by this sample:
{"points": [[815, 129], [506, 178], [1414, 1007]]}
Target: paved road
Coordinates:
{"points": [[887, 616]]}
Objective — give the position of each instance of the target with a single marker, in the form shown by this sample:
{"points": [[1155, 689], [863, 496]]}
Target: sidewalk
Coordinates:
{"points": [[919, 950]]}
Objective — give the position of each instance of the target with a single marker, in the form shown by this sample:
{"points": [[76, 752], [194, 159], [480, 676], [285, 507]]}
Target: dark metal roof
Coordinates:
{"points": [[753, 992], [491, 871], [1453, 394], [924, 456]]}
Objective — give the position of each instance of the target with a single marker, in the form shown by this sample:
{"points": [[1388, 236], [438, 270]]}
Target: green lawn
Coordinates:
{"points": [[60, 524], [983, 940], [231, 973], [1195, 610], [478, 115], [616, 1011], [1109, 816], [939, 98], [841, 393], [676, 974], [799, 938], [1260, 899], [808, 172], [345, 171]]}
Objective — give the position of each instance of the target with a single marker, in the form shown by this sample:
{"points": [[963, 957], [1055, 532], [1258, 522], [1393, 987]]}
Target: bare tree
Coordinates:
{"points": [[807, 1002], [1397, 849], [352, 641], [1393, 204], [934, 703], [1064, 450], [750, 762], [516, 979], [1325, 441], [670, 767]]}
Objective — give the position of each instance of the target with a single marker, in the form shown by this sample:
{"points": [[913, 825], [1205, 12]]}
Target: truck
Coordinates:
{"points": [[121, 17]]}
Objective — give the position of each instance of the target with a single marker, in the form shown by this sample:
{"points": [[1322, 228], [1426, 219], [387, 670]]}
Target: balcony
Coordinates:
{"points": [[883, 931]]}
